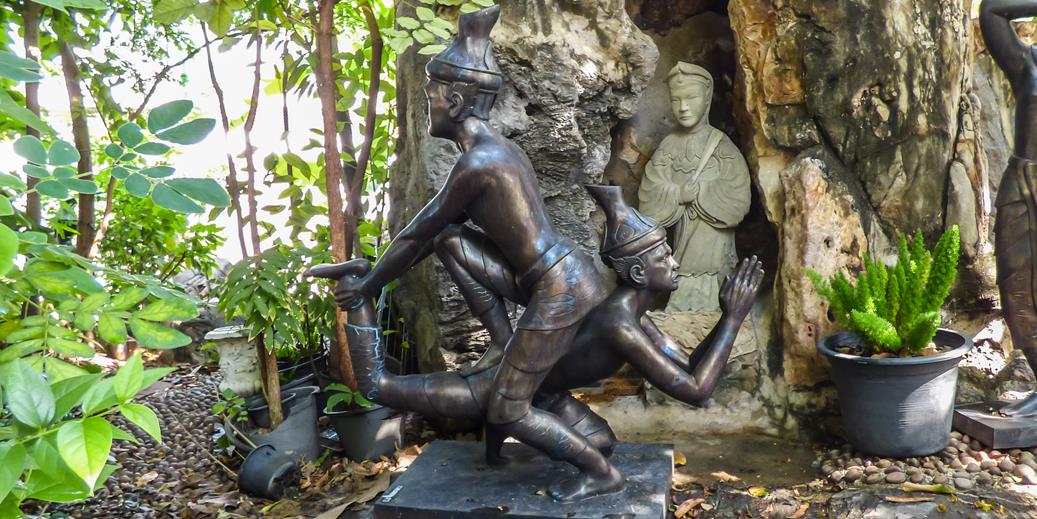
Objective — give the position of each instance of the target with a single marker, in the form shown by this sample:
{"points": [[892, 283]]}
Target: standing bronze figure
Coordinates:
{"points": [[615, 332], [1015, 227]]}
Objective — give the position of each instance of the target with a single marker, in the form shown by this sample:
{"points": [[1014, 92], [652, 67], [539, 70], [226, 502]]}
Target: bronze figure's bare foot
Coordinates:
{"points": [[1023, 407], [587, 485]]}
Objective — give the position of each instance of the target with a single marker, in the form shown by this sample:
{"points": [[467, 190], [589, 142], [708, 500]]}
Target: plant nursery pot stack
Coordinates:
{"points": [[901, 406]]}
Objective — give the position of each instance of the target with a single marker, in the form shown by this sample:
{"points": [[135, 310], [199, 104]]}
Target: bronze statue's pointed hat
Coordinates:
{"points": [[627, 232], [469, 58]]}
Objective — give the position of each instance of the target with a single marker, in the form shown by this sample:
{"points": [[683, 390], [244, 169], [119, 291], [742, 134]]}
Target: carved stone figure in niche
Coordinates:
{"points": [[696, 183]]}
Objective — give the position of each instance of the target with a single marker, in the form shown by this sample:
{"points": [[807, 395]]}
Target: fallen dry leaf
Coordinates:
{"points": [[758, 491], [686, 507], [725, 477], [900, 499], [679, 459], [801, 511], [334, 512], [937, 489]]}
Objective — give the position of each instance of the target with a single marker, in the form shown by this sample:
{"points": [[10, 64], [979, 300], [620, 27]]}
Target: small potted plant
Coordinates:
{"points": [[366, 431], [895, 369]]}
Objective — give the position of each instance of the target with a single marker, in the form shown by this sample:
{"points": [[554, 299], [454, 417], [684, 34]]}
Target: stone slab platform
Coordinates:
{"points": [[995, 431], [451, 480]]}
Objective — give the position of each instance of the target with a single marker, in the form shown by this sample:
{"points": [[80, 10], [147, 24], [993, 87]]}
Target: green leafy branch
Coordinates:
{"points": [[896, 308]]}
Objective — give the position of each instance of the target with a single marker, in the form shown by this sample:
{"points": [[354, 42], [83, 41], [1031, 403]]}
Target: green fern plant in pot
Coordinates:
{"points": [[895, 369]]}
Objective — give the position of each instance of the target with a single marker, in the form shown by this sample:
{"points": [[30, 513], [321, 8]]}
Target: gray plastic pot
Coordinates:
{"points": [[298, 435], [897, 407], [266, 472], [368, 434]]}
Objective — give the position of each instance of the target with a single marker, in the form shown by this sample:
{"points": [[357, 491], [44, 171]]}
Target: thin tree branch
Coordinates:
{"points": [[232, 170], [81, 136], [250, 165], [31, 19]]}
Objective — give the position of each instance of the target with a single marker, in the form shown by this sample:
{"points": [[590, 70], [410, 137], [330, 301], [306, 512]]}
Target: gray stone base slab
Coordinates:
{"points": [[981, 422], [451, 480]]}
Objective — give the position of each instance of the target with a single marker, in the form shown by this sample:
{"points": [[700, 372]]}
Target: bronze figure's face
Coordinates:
{"points": [[440, 123], [689, 102], [660, 269]]}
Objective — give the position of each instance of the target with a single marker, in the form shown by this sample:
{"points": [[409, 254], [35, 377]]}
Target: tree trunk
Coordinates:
{"points": [[270, 381], [31, 18], [81, 136], [326, 81]]}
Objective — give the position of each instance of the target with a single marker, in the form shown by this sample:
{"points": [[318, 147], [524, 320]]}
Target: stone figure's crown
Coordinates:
{"points": [[627, 232], [684, 73], [469, 58]]}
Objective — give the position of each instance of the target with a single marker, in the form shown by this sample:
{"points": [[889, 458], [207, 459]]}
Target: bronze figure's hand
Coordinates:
{"points": [[738, 292], [351, 275]]}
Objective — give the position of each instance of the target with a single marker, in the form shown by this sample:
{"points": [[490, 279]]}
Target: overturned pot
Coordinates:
{"points": [[897, 407], [266, 472], [297, 436]]}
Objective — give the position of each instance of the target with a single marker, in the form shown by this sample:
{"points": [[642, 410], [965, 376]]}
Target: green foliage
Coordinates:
{"points": [[896, 308], [291, 312], [55, 436], [232, 406], [341, 394], [150, 240]]}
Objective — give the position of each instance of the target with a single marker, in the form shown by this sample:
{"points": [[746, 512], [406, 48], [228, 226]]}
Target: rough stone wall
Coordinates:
{"points": [[870, 96], [572, 70]]}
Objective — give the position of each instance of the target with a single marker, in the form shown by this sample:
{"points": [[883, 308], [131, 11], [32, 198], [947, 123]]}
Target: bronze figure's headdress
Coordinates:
{"points": [[469, 58], [627, 232]]}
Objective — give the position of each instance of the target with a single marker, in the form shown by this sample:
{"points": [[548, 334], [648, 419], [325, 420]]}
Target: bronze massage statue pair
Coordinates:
{"points": [[572, 331]]}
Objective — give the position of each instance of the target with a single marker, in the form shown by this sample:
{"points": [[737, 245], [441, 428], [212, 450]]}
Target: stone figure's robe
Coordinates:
{"points": [[702, 197]]}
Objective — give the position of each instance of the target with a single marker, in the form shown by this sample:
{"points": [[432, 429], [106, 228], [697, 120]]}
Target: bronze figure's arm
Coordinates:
{"points": [[995, 20], [414, 241], [694, 380]]}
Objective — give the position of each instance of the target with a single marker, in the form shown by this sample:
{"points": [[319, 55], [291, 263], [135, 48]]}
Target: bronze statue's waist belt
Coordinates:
{"points": [[548, 259]]}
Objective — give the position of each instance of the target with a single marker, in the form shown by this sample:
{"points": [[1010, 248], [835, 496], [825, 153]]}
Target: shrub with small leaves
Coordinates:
{"points": [[896, 308]]}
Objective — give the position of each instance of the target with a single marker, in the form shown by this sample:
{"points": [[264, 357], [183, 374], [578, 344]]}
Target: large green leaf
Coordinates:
{"points": [[69, 392], [111, 329], [143, 417], [63, 172], [153, 375], [11, 108], [152, 335], [130, 134], [100, 396], [84, 445], [18, 68], [152, 148], [204, 190], [137, 185], [221, 18], [8, 248], [28, 396], [30, 148], [171, 11], [168, 309], [128, 298], [79, 185], [168, 114], [190, 132], [165, 196], [12, 462], [113, 150], [6, 209], [35, 171], [11, 181], [129, 379], [62, 153], [162, 171], [70, 347], [53, 189], [120, 173]]}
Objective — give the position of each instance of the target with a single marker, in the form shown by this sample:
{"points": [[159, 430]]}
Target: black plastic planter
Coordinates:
{"points": [[297, 436], [897, 407], [266, 472], [368, 434], [259, 410]]}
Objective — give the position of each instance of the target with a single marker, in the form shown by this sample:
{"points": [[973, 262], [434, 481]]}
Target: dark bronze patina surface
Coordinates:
{"points": [[1015, 243], [572, 331]]}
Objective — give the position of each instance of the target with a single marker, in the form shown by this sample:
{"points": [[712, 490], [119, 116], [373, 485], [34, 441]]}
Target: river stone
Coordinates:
{"points": [[896, 477], [852, 474], [918, 477], [963, 483]]}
